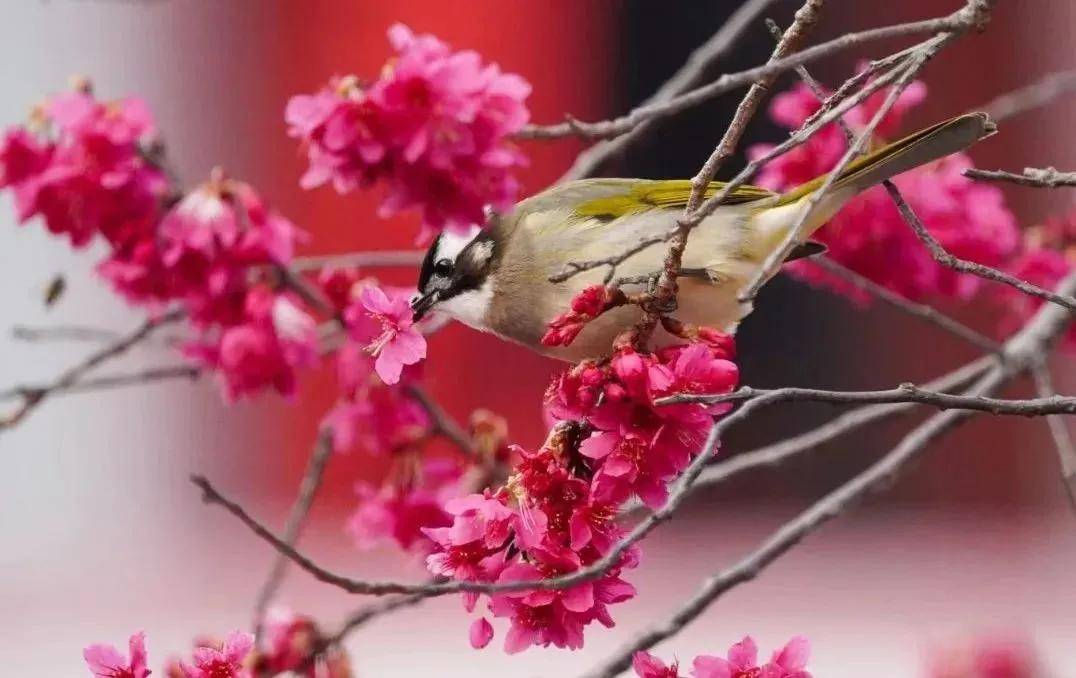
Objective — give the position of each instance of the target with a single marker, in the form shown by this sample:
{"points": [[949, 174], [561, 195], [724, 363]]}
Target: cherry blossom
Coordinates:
{"points": [[105, 661], [432, 128], [225, 661]]}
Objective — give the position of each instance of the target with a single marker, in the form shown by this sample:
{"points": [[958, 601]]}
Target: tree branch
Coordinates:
{"points": [[1066, 451], [1033, 96], [1047, 177], [308, 489]]}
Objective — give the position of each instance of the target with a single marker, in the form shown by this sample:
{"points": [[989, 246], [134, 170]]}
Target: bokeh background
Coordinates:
{"points": [[102, 535]]}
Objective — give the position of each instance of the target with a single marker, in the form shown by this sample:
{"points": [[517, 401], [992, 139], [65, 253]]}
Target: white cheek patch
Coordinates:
{"points": [[451, 243], [469, 307]]}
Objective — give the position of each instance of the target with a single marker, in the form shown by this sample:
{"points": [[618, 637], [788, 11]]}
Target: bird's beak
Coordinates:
{"points": [[422, 303]]}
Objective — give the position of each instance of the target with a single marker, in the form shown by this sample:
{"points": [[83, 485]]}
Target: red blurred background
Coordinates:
{"points": [[105, 536]]}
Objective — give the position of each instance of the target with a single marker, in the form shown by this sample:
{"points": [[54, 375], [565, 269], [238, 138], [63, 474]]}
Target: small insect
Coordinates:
{"points": [[55, 289]]}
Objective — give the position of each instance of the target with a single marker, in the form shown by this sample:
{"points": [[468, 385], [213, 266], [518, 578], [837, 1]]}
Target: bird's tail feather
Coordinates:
{"points": [[900, 156]]}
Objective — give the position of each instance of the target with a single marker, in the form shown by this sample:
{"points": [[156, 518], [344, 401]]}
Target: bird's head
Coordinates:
{"points": [[455, 277]]}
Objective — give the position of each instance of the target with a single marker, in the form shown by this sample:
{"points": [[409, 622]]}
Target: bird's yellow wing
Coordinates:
{"points": [[636, 195]]}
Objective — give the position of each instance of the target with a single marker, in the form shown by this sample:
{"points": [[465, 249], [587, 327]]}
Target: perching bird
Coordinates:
{"points": [[497, 280]]}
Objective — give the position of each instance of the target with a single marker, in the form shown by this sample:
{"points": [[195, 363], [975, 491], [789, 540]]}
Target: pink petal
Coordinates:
{"points": [[481, 633], [103, 660], [744, 654], [706, 666]]}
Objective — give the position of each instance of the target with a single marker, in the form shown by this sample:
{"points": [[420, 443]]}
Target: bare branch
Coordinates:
{"points": [[110, 381], [443, 423], [1047, 177], [1066, 451], [921, 311], [63, 333], [308, 489], [33, 397], [1054, 404], [943, 257], [1030, 97], [373, 259]]}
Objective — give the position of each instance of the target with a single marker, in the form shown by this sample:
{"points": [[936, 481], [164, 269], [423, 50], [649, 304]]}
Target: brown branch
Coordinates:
{"points": [[1066, 451], [109, 381], [921, 311], [971, 15], [905, 393], [372, 259], [1047, 177], [308, 489], [689, 75], [63, 333], [34, 397], [1021, 353], [1033, 96], [443, 423], [942, 256]]}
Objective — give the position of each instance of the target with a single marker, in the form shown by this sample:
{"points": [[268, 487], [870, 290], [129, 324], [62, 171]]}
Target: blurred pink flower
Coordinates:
{"points": [[224, 662], [105, 661], [398, 515], [868, 235], [741, 660], [988, 656], [647, 665], [433, 127]]}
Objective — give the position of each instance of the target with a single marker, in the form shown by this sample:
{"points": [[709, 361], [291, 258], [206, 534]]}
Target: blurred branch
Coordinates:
{"points": [[1066, 451], [443, 423], [33, 397], [308, 489], [110, 381], [921, 311], [689, 76], [372, 259], [1033, 96], [1047, 177]]}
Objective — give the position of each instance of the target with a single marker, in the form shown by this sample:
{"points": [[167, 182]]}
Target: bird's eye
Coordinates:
{"points": [[443, 267]]}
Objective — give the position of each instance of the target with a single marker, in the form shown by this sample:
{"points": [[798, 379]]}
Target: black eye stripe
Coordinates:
{"points": [[427, 265]]}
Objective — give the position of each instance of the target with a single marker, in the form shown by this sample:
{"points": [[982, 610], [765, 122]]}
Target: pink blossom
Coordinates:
{"points": [[91, 178], [868, 235], [105, 661], [399, 342], [433, 127], [995, 655], [227, 661], [399, 515], [380, 419], [264, 350], [647, 665], [481, 633], [591, 302]]}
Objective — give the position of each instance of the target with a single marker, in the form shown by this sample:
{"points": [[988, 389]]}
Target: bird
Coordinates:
{"points": [[496, 278]]}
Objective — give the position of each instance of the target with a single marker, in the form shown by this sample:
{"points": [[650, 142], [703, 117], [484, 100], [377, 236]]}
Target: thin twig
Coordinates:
{"points": [[1033, 96], [308, 489], [689, 75], [33, 398], [942, 256], [110, 381], [921, 311], [63, 333], [1047, 177], [372, 259], [1030, 407], [443, 423], [1066, 451]]}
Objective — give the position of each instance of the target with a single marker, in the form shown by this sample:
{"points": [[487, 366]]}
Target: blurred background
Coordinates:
{"points": [[102, 535]]}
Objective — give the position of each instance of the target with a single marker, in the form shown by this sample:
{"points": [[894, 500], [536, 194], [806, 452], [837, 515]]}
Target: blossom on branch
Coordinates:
{"points": [[433, 129], [740, 662]]}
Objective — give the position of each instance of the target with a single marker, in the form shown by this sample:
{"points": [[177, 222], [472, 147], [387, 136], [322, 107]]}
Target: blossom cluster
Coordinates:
{"points": [[741, 661], [557, 512], [868, 235], [432, 128], [291, 643]]}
